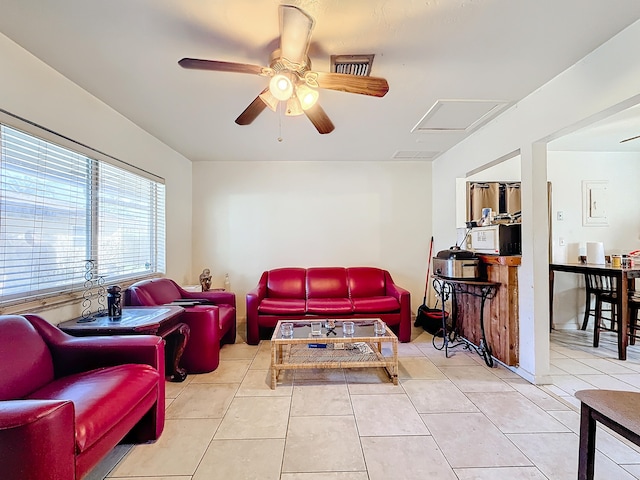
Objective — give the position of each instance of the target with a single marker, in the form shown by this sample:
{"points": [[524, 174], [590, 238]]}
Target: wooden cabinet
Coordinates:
{"points": [[501, 321]]}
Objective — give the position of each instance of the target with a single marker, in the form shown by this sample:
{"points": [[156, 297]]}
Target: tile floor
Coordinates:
{"points": [[449, 418]]}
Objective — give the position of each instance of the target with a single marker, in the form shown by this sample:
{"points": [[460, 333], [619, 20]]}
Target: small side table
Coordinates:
{"points": [[446, 287], [163, 321]]}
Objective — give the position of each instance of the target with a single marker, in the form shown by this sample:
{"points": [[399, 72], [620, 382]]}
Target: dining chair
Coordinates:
{"points": [[634, 322], [604, 289], [594, 285]]}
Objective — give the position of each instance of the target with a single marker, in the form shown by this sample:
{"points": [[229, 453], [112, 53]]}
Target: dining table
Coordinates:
{"points": [[624, 283]]}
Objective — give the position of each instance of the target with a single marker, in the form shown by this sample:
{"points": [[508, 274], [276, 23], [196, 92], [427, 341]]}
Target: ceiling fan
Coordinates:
{"points": [[291, 78], [629, 139]]}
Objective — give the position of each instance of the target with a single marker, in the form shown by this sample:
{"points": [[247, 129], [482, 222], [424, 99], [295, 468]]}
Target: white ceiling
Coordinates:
{"points": [[125, 52]]}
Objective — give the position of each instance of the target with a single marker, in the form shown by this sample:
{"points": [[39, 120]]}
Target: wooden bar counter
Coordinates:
{"points": [[501, 313]]}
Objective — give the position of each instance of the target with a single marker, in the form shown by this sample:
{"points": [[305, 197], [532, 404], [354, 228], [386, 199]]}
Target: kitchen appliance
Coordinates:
{"points": [[499, 239], [456, 263]]}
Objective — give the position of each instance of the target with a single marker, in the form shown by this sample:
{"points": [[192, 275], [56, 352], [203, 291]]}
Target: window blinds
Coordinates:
{"points": [[60, 208]]}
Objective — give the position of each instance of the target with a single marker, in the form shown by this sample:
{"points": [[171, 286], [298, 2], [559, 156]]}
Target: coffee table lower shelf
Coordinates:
{"points": [[296, 354]]}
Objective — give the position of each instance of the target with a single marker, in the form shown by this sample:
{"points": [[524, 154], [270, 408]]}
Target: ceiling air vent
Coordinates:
{"points": [[352, 64]]}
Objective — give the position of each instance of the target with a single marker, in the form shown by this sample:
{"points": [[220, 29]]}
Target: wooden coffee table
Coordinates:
{"points": [[304, 351]]}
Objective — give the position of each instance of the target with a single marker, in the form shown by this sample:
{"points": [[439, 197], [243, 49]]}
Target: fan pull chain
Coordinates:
{"points": [[280, 108]]}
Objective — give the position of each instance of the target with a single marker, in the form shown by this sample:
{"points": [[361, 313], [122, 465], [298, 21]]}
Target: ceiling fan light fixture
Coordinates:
{"points": [[268, 98], [281, 86], [306, 95], [293, 107]]}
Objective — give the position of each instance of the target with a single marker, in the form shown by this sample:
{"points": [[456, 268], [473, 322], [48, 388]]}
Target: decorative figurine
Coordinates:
{"points": [[113, 301], [205, 280]]}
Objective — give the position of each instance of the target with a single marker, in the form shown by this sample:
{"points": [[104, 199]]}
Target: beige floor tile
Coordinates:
{"points": [[502, 473], [325, 476], [257, 383], [386, 415], [475, 378], [606, 366], [633, 379], [262, 360], [258, 459], [606, 382], [323, 444], [314, 376], [409, 458], [574, 367], [409, 350], [540, 397], [173, 389], [369, 381], [238, 351], [437, 396], [456, 358], [418, 368], [320, 400], [471, 440], [556, 455], [172, 477], [255, 417], [512, 412], [178, 451], [206, 400], [608, 443], [569, 384], [632, 469], [229, 371]]}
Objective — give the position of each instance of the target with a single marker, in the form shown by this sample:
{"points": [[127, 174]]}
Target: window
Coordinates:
{"points": [[60, 209]]}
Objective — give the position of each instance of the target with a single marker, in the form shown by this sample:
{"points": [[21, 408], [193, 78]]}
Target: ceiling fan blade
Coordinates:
{"points": [[629, 139], [374, 86], [295, 33], [254, 109], [219, 66], [319, 119]]}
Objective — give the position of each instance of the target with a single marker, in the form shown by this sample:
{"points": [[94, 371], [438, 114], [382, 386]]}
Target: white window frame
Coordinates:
{"points": [[125, 216]]}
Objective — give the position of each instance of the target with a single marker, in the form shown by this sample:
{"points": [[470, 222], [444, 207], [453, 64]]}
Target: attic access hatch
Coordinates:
{"points": [[459, 115]]}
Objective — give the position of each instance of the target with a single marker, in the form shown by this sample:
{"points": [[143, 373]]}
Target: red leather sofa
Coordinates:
{"points": [[327, 292], [65, 401], [212, 323]]}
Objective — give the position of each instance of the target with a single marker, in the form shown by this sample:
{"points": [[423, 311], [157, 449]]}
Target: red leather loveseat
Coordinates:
{"points": [[327, 292], [65, 401], [212, 323]]}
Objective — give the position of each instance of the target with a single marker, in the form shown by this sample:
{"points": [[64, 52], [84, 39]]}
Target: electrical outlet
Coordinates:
{"points": [[561, 241], [560, 215]]}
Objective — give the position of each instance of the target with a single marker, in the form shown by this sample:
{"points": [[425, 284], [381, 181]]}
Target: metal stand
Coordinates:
{"points": [[449, 287]]}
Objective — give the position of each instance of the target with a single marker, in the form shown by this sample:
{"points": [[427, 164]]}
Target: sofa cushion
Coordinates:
{"points": [[27, 364], [101, 398], [366, 282], [329, 306], [379, 304], [286, 283], [282, 306], [327, 282]]}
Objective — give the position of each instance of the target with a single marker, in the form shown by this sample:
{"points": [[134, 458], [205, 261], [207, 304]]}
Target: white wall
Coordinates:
{"points": [[253, 216], [566, 171], [32, 90], [605, 80]]}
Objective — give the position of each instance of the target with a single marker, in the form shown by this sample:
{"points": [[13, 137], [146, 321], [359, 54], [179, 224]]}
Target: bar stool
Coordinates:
{"points": [[604, 290]]}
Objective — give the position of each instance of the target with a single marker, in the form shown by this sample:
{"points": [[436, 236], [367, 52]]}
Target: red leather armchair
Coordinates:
{"points": [[66, 401], [211, 325]]}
